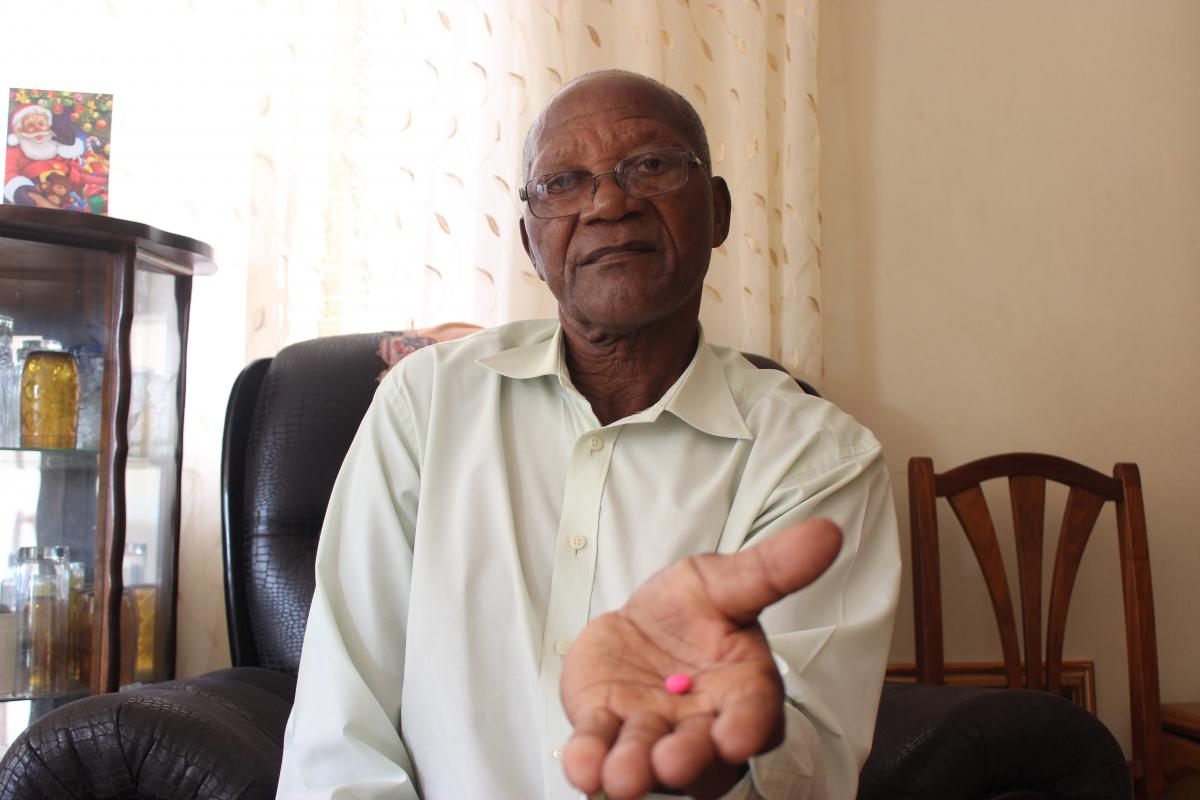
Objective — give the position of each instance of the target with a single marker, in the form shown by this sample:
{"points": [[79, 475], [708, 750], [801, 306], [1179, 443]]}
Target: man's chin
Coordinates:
{"points": [[624, 318]]}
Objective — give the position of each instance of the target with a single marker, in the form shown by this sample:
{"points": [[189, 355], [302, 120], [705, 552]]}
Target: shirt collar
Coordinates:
{"points": [[705, 399], [538, 358], [701, 397]]}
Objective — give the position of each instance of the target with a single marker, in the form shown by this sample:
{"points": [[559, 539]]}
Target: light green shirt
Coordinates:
{"points": [[482, 516]]}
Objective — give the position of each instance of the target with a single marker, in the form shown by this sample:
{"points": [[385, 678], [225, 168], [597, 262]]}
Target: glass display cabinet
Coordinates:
{"points": [[91, 421]]}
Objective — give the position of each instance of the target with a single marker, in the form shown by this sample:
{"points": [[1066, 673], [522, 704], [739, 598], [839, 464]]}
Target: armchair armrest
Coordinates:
{"points": [[962, 743], [218, 735]]}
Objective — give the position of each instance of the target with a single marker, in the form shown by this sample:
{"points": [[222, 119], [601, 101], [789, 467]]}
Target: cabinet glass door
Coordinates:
{"points": [[151, 476], [58, 299]]}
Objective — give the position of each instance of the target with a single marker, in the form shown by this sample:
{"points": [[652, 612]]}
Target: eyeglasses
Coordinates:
{"points": [[641, 176]]}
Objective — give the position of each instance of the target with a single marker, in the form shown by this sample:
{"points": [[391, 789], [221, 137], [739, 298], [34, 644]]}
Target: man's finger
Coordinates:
{"points": [[743, 584], [583, 757], [751, 724], [680, 756], [627, 772]]}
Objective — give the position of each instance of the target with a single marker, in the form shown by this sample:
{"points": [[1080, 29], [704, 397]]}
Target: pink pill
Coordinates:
{"points": [[678, 683]]}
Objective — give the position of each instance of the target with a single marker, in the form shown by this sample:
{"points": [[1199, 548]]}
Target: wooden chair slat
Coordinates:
{"points": [[1079, 518], [1028, 497], [970, 506]]}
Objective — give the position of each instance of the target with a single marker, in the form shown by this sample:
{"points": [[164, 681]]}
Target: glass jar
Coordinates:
{"points": [[10, 425], [140, 624], [8, 653], [79, 625], [8, 586], [49, 400], [133, 567], [27, 347], [42, 637], [9, 628], [91, 385]]}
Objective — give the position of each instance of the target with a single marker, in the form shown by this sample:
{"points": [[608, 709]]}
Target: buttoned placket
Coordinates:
{"points": [[572, 581]]}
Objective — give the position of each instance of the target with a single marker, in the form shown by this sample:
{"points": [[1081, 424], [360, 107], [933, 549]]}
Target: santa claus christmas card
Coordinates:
{"points": [[58, 146]]}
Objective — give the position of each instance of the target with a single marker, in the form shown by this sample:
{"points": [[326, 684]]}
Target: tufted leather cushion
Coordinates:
{"points": [[217, 736], [319, 385], [959, 743]]}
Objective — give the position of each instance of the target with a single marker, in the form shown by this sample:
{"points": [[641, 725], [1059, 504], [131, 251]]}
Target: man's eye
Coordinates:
{"points": [[560, 183], [650, 165]]}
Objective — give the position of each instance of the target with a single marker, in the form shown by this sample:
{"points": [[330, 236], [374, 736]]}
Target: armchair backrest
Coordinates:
{"points": [[288, 425]]}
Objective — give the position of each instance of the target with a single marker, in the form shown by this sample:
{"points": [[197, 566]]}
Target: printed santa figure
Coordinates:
{"points": [[37, 144]]}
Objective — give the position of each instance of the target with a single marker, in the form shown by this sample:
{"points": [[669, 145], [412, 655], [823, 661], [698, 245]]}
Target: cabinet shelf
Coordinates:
{"points": [[68, 451], [60, 698], [51, 457]]}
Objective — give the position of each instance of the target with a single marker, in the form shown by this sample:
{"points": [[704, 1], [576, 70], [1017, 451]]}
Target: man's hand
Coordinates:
{"points": [[698, 617]]}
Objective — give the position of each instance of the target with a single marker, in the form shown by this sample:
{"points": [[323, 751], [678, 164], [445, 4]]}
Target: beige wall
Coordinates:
{"points": [[1011, 204]]}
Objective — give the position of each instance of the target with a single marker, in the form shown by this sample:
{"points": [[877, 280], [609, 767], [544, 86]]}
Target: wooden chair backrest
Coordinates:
{"points": [[1089, 490]]}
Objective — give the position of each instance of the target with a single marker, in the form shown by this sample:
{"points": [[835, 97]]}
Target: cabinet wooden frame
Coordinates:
{"points": [[125, 248]]}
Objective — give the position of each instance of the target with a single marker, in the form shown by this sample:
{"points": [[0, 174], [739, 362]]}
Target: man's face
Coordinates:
{"points": [[622, 263]]}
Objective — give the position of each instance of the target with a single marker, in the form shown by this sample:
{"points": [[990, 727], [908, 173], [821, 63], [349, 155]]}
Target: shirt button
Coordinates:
{"points": [[562, 646], [578, 542], [595, 443], [557, 753]]}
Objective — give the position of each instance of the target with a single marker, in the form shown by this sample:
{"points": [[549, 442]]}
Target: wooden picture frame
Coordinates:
{"points": [[1078, 678]]}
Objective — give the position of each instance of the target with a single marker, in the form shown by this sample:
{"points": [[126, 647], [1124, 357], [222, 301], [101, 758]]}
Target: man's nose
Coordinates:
{"points": [[609, 200]]}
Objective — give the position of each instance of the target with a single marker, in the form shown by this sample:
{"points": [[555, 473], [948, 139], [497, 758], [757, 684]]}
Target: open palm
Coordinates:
{"points": [[697, 617]]}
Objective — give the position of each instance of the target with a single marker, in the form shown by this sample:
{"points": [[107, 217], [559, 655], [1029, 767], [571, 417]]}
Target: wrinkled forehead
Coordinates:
{"points": [[613, 118]]}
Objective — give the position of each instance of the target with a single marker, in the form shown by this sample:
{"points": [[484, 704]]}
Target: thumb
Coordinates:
{"points": [[741, 585]]}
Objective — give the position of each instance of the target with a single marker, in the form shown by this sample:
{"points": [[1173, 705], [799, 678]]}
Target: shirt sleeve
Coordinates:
{"points": [[342, 739], [831, 639]]}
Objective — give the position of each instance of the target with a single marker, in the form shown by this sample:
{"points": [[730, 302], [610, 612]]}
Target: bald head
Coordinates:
{"points": [[686, 119]]}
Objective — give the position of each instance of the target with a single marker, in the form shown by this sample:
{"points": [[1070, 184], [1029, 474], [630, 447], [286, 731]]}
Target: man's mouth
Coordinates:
{"points": [[627, 247]]}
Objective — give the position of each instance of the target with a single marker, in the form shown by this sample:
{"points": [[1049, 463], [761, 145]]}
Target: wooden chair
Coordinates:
{"points": [[1027, 474]]}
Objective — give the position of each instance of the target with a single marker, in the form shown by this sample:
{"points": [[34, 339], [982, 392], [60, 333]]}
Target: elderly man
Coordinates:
{"points": [[540, 524]]}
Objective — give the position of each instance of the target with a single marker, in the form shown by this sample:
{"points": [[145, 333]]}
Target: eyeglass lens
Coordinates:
{"points": [[641, 176]]}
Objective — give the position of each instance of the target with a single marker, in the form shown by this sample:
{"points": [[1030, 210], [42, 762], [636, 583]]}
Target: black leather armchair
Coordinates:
{"points": [[289, 422]]}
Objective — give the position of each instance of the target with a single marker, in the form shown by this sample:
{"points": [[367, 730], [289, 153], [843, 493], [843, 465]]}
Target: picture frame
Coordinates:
{"points": [[1078, 678]]}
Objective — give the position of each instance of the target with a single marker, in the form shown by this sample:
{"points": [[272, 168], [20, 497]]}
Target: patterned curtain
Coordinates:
{"points": [[409, 211], [355, 165]]}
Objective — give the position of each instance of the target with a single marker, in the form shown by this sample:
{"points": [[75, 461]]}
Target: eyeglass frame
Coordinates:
{"points": [[689, 157]]}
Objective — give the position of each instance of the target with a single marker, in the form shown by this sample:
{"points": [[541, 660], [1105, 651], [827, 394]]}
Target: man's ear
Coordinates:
{"points": [[529, 250], [722, 209]]}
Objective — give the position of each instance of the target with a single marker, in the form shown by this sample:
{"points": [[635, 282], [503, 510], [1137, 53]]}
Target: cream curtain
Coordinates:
{"points": [[355, 164], [409, 210]]}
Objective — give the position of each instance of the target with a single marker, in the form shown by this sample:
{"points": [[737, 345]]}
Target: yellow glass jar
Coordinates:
{"points": [[49, 399]]}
